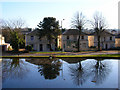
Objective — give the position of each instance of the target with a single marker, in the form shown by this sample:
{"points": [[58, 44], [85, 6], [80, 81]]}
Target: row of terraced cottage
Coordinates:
{"points": [[68, 39]]}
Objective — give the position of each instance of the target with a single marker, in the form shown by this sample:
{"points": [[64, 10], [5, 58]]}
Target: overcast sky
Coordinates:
{"points": [[33, 11]]}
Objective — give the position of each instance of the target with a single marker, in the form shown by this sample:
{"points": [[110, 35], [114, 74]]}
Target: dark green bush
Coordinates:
{"points": [[29, 47], [93, 47], [115, 48]]}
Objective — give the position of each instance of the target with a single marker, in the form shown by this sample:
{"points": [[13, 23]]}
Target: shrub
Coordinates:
{"points": [[29, 47], [93, 47], [26, 51], [59, 49], [115, 48]]}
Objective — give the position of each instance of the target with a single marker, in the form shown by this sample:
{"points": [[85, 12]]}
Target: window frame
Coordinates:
{"points": [[82, 37], [31, 38], [68, 37], [110, 38]]}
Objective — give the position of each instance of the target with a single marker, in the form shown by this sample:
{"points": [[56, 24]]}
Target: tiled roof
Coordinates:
{"points": [[73, 32], [34, 32], [94, 33], [68, 32], [118, 36]]}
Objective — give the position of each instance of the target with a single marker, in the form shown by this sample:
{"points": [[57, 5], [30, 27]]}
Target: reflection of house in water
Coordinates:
{"points": [[80, 70], [41, 61], [50, 68], [73, 60], [47, 68]]}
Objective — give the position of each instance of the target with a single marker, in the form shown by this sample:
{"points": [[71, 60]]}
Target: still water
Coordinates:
{"points": [[59, 73]]}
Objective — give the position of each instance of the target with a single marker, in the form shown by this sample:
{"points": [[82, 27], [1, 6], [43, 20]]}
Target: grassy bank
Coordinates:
{"points": [[102, 55], [46, 52], [62, 56]]}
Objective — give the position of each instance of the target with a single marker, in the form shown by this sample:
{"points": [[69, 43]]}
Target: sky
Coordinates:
{"points": [[33, 11]]}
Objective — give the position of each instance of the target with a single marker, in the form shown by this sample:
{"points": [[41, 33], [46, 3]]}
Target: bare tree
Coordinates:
{"points": [[3, 24], [5, 30], [78, 22], [99, 26], [12, 24]]}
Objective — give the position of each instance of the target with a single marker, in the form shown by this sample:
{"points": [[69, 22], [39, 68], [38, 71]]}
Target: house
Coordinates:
{"points": [[114, 32], [117, 41], [26, 30], [70, 39], [3, 45], [59, 41], [107, 40], [91, 40], [40, 44]]}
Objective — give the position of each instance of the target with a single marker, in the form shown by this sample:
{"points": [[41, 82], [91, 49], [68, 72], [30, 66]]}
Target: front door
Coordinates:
{"points": [[41, 47], [106, 47]]}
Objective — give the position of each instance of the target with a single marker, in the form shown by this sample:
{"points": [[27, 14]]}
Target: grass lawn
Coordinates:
{"points": [[46, 52], [60, 56], [102, 55]]}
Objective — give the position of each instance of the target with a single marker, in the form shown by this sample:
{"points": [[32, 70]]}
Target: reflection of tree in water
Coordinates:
{"points": [[51, 70], [79, 73], [13, 68], [100, 71]]}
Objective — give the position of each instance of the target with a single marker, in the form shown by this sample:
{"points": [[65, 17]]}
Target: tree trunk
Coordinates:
{"points": [[80, 66], [50, 46], [79, 43], [98, 43], [97, 65], [79, 40], [56, 43]]}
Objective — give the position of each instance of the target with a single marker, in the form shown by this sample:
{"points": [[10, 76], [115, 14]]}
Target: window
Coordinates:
{"points": [[104, 38], [110, 38], [68, 43], [32, 37], [64, 45], [48, 46], [41, 47], [68, 37], [75, 37], [40, 39], [82, 37], [84, 44]]}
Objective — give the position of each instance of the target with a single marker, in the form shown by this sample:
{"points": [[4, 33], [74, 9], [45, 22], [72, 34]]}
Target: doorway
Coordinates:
{"points": [[106, 47], [41, 47]]}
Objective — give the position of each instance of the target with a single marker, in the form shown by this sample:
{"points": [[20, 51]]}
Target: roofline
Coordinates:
{"points": [[83, 33]]}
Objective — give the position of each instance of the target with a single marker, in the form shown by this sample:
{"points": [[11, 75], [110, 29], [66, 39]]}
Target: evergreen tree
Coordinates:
{"points": [[49, 28]]}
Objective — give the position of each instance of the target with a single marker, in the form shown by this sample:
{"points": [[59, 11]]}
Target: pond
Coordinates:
{"points": [[59, 73]]}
